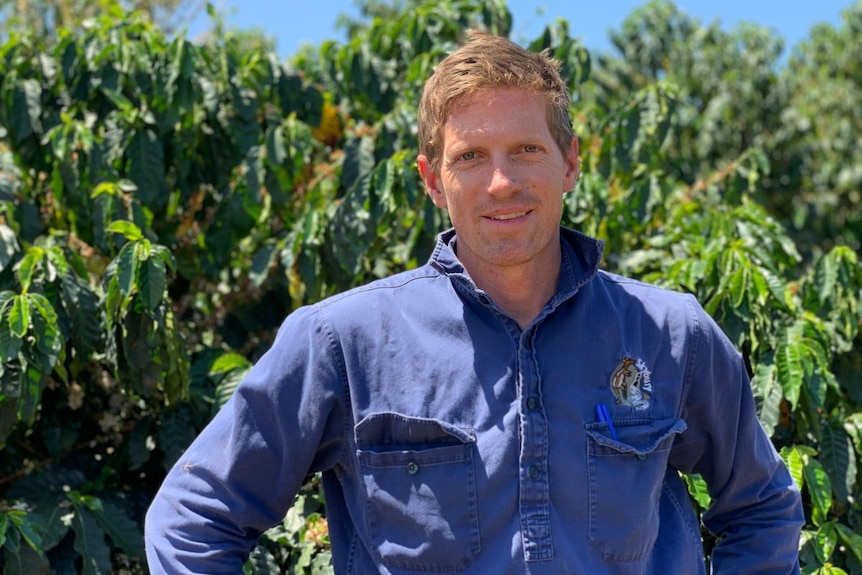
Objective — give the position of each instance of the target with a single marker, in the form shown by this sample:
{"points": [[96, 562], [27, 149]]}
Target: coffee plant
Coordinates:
{"points": [[164, 204]]}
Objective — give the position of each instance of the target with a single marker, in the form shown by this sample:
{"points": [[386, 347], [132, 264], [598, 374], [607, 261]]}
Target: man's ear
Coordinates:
{"points": [[573, 166], [433, 186]]}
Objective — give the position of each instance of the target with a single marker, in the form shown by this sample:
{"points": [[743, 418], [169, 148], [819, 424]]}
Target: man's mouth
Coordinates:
{"points": [[501, 217]]}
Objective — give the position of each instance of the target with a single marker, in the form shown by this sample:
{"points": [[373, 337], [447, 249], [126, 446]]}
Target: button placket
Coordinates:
{"points": [[534, 504]]}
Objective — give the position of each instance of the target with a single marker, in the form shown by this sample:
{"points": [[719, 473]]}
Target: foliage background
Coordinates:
{"points": [[164, 204]]}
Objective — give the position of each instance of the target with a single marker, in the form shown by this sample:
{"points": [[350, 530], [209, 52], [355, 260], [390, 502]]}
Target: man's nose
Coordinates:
{"points": [[503, 179]]}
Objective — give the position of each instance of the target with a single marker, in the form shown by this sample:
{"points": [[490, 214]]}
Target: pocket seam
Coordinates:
{"points": [[613, 452], [460, 453]]}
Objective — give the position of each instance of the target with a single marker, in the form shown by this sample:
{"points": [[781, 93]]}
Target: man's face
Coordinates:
{"points": [[502, 177]]}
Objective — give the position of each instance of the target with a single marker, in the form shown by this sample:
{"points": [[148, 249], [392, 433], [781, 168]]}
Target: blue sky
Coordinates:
{"points": [[293, 22]]}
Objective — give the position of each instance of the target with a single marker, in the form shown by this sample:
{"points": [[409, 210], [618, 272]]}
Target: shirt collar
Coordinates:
{"points": [[581, 258]]}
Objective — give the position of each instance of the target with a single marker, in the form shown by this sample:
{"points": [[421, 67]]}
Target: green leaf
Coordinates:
{"points": [[158, 251], [820, 490], [262, 261], [255, 173], [19, 315], [140, 443], [11, 390], [697, 488], [26, 110], [25, 561], [358, 162], [381, 199], [128, 229], [57, 263], [776, 288], [32, 377], [58, 136], [8, 245], [10, 345], [49, 340], [276, 149], [147, 167], [825, 542], [226, 387], [82, 306], [826, 278], [119, 100], [4, 524], [114, 302], [852, 540], [53, 512], [175, 435], [13, 540], [90, 543], [738, 286], [152, 282], [109, 188], [228, 362], [795, 460], [769, 395], [123, 531], [853, 428], [29, 532], [788, 359], [127, 269], [6, 296], [830, 569], [261, 562], [352, 231], [815, 384], [839, 459]]}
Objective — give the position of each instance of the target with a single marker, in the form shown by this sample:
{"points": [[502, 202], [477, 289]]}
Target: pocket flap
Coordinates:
{"points": [[395, 430], [636, 436]]}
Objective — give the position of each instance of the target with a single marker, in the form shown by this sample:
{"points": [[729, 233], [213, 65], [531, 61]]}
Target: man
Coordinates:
{"points": [[506, 408]]}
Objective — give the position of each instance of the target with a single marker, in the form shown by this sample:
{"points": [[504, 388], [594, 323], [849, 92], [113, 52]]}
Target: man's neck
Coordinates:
{"points": [[521, 291]]}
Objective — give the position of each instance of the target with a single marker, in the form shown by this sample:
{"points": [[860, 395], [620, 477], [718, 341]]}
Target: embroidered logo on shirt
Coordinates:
{"points": [[631, 383]]}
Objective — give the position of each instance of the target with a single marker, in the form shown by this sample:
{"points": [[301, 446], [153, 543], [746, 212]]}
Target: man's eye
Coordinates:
{"points": [[468, 156], [531, 148]]}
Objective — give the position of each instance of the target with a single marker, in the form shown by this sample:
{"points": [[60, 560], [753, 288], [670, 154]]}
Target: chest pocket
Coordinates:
{"points": [[626, 477], [420, 490]]}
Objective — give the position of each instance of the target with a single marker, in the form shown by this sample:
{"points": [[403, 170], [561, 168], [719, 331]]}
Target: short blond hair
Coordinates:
{"points": [[486, 62]]}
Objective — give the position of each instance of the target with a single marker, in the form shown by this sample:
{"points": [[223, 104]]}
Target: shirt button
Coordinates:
{"points": [[532, 403], [412, 468], [641, 456], [534, 472]]}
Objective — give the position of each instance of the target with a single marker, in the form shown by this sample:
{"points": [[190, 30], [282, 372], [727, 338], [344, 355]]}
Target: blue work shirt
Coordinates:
{"points": [[451, 440]]}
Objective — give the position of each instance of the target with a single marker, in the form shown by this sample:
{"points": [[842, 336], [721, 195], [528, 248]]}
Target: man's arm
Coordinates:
{"points": [[756, 510], [241, 474]]}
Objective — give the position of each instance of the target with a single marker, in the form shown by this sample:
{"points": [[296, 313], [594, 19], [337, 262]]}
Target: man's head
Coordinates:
{"points": [[497, 153], [484, 63]]}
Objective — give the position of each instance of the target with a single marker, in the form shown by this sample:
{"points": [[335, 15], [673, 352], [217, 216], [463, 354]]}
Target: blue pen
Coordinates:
{"points": [[605, 416]]}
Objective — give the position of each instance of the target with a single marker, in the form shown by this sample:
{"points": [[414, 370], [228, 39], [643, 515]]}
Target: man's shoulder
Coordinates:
{"points": [[366, 307], [411, 282], [638, 287], [647, 295]]}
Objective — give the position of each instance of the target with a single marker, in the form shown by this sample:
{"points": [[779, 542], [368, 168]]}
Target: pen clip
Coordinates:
{"points": [[604, 416]]}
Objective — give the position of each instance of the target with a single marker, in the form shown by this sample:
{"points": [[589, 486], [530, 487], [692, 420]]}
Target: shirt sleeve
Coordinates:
{"points": [[756, 510], [241, 474]]}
